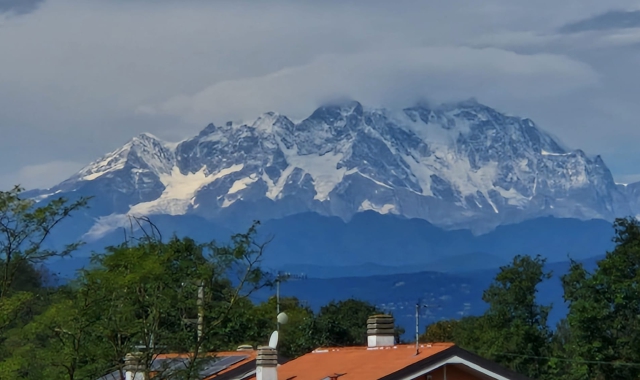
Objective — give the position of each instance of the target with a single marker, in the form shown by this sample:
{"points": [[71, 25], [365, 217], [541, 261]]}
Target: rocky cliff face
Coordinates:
{"points": [[462, 165]]}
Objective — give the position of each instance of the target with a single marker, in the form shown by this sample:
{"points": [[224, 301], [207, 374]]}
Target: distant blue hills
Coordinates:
{"points": [[391, 261], [375, 244], [449, 295]]}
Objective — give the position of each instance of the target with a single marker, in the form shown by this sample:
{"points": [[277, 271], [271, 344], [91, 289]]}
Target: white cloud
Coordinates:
{"points": [[41, 175], [394, 78], [511, 40], [621, 38], [551, 41], [105, 225], [79, 78]]}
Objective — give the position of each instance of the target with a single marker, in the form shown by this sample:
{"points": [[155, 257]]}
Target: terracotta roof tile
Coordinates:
{"points": [[356, 363]]}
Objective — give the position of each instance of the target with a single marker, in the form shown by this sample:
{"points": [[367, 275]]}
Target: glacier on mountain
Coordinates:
{"points": [[461, 165]]}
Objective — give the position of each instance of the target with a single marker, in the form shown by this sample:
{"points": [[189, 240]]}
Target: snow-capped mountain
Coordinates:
{"points": [[632, 192], [455, 165]]}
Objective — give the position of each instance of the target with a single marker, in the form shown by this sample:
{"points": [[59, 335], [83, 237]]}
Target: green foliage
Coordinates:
{"points": [[69, 345], [599, 339], [12, 306], [513, 331], [23, 231], [142, 294], [298, 335], [558, 365], [516, 325], [603, 310], [471, 333], [337, 324], [244, 325], [441, 331], [344, 323], [151, 295]]}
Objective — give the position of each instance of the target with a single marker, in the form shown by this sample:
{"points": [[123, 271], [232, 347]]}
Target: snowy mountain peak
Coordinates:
{"points": [[146, 137], [267, 121], [209, 129], [456, 165], [143, 153], [337, 110]]}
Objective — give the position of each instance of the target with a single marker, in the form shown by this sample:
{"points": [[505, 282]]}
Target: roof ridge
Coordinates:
{"points": [[366, 348]]}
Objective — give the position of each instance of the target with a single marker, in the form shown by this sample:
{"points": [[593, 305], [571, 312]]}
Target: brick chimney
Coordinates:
{"points": [[132, 367], [381, 331], [267, 364]]}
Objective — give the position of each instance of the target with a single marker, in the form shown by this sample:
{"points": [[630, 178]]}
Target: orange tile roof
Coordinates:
{"points": [[356, 363]]}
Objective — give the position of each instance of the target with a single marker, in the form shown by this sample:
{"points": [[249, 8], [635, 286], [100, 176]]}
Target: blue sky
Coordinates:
{"points": [[79, 78]]}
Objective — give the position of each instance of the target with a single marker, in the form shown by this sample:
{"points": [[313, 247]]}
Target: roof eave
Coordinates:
{"points": [[452, 352]]}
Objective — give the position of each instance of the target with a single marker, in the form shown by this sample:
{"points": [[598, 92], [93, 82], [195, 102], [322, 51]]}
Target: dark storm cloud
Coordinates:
{"points": [[19, 7], [611, 20]]}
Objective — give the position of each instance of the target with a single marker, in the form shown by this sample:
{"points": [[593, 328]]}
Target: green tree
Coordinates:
{"points": [[559, 366], [603, 310], [344, 323], [70, 347], [441, 331], [253, 324], [25, 227], [471, 333], [23, 231], [299, 335], [173, 296], [244, 324], [515, 331], [142, 296]]}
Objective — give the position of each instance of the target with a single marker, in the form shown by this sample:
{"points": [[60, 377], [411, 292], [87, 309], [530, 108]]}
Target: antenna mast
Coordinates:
{"points": [[200, 310], [279, 277], [417, 327], [418, 306]]}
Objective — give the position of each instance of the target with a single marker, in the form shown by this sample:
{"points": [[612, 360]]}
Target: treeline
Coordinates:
{"points": [[598, 340], [145, 295]]}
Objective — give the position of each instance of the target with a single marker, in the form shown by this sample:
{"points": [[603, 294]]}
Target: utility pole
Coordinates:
{"points": [[200, 311], [199, 322], [417, 327], [418, 306], [279, 278], [278, 295]]}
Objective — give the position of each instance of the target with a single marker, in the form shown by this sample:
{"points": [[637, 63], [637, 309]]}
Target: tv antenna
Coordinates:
{"points": [[418, 306], [284, 276], [282, 318]]}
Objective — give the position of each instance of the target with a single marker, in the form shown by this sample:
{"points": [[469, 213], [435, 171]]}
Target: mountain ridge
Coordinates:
{"points": [[458, 165], [322, 246]]}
